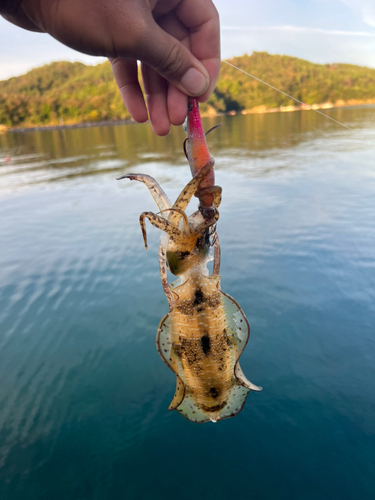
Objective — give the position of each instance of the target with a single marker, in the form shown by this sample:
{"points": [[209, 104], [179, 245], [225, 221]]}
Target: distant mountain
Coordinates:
{"points": [[68, 93]]}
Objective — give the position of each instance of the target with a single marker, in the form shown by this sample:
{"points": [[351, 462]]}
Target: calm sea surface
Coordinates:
{"points": [[83, 392]]}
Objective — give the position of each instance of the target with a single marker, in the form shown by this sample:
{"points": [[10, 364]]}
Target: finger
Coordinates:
{"points": [[156, 95], [202, 18], [125, 72], [213, 68], [173, 61], [177, 101]]}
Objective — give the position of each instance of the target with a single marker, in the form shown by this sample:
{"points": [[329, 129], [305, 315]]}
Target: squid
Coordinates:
{"points": [[205, 332]]}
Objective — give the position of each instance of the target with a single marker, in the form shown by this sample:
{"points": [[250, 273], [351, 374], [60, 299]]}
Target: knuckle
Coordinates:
{"points": [[129, 42], [173, 62], [114, 61], [137, 36]]}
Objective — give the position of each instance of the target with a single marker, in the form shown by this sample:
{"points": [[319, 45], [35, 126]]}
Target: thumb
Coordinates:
{"points": [[174, 62]]}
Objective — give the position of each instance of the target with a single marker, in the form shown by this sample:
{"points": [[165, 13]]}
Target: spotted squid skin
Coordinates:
{"points": [[201, 340]]}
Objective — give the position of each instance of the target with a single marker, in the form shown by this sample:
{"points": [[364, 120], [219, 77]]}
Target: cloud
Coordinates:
{"points": [[300, 29], [365, 7], [23, 50], [317, 45]]}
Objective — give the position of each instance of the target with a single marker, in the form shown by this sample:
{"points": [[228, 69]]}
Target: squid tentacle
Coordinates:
{"points": [[214, 190], [160, 223], [157, 192], [190, 189], [183, 215], [217, 255], [172, 297]]}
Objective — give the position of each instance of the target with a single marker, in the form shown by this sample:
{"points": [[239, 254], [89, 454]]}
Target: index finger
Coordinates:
{"points": [[202, 18]]}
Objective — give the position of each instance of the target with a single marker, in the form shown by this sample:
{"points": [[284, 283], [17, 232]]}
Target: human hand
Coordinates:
{"points": [[177, 42]]}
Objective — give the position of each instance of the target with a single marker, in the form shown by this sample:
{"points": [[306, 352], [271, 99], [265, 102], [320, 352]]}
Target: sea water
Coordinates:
{"points": [[83, 392]]}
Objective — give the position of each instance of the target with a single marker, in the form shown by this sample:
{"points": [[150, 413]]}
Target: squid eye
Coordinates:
{"points": [[190, 106]]}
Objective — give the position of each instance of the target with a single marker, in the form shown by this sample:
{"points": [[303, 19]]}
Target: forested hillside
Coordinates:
{"points": [[61, 92], [307, 82], [67, 93]]}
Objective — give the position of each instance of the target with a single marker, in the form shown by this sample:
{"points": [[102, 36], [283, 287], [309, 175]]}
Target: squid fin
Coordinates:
{"points": [[244, 381], [240, 326], [236, 322], [191, 411], [178, 395], [163, 344], [236, 400], [182, 401]]}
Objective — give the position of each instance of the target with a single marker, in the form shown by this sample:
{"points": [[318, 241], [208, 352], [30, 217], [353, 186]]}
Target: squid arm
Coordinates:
{"points": [[157, 192]]}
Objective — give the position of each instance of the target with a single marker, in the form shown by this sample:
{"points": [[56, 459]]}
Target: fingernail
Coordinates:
{"points": [[194, 82]]}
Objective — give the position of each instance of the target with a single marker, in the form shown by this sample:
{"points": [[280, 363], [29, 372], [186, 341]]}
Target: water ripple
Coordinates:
{"points": [[83, 393]]}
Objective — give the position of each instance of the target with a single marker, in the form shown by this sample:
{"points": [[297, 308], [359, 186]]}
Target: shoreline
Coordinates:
{"points": [[43, 128], [256, 110], [307, 107]]}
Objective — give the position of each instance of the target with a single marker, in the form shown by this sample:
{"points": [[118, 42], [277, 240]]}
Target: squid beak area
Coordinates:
{"points": [[209, 214]]}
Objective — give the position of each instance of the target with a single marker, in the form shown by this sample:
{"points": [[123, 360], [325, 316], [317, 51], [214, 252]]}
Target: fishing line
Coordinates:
{"points": [[290, 97]]}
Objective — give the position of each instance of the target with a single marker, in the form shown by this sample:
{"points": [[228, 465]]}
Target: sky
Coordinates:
{"points": [[321, 31]]}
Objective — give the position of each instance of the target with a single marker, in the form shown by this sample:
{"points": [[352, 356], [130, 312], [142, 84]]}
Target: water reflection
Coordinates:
{"points": [[83, 393], [42, 157]]}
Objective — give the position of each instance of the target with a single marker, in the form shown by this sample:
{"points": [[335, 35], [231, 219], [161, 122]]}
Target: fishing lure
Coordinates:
{"points": [[205, 331]]}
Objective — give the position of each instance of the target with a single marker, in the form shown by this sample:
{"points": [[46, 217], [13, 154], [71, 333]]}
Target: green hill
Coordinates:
{"points": [[61, 92], [67, 93], [308, 82]]}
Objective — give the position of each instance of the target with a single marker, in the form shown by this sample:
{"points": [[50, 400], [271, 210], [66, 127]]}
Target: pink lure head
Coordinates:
{"points": [[197, 151]]}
